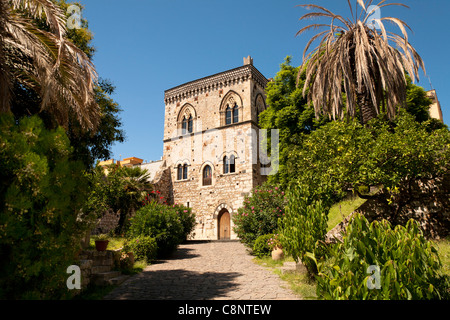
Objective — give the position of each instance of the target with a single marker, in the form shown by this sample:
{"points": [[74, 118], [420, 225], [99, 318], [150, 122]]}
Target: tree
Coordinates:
{"points": [[289, 112], [88, 145], [45, 62], [122, 190], [41, 193], [358, 60]]}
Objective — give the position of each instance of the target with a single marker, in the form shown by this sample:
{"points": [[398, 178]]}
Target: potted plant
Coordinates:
{"points": [[101, 243], [276, 247]]}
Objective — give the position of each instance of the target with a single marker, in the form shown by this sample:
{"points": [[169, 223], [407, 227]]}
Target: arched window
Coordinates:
{"points": [[235, 114], [180, 172], [207, 176], [232, 164], [190, 124], [185, 173], [184, 126], [228, 116], [226, 165], [229, 165]]}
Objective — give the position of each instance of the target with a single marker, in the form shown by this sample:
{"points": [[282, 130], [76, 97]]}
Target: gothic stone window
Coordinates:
{"points": [[260, 106], [186, 119], [230, 108], [235, 114], [232, 114], [229, 164], [228, 116], [182, 172], [187, 125], [207, 176]]}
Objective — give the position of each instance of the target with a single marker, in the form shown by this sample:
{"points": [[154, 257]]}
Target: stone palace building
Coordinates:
{"points": [[211, 158]]}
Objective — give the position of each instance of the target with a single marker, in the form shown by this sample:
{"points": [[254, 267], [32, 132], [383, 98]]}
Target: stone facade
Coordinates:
{"points": [[208, 122]]}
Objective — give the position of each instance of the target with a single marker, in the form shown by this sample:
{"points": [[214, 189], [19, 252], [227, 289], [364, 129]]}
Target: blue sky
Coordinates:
{"points": [[147, 46]]}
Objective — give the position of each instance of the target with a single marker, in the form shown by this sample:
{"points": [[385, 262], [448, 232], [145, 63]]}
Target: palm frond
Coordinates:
{"points": [[366, 64], [62, 74]]}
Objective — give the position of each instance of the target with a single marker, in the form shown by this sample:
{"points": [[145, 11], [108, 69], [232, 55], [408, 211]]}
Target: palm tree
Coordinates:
{"points": [[45, 61], [360, 61], [136, 186]]}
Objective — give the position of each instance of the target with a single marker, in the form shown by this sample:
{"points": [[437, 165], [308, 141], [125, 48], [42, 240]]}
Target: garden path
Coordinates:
{"points": [[214, 270]]}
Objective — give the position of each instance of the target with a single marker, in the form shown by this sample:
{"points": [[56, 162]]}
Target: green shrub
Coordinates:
{"points": [[187, 218], [143, 248], [261, 247], [41, 193], [260, 214], [162, 222], [304, 224], [409, 265]]}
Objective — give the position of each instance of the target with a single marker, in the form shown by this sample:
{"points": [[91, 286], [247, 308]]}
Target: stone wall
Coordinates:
{"points": [[98, 268], [108, 222], [163, 183], [426, 201]]}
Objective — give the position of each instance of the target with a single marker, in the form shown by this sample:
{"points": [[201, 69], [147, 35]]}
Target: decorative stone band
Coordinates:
{"points": [[214, 82]]}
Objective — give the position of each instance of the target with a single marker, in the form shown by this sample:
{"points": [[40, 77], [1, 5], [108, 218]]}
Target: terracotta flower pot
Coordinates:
{"points": [[277, 254], [101, 245]]}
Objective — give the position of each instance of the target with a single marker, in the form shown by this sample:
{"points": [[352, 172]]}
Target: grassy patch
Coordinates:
{"points": [[299, 283], [343, 209], [444, 254], [114, 243]]}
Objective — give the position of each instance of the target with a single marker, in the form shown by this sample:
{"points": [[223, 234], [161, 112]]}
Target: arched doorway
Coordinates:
{"points": [[224, 225]]}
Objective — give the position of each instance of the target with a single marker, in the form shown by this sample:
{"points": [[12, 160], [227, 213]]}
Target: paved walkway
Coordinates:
{"points": [[205, 271]]}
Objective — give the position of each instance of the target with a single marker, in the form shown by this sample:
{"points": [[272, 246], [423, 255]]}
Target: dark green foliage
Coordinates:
{"points": [[409, 265], [91, 146], [187, 218], [162, 222], [289, 112], [260, 213], [304, 225], [143, 248], [121, 190], [41, 193], [88, 146], [261, 247], [343, 155]]}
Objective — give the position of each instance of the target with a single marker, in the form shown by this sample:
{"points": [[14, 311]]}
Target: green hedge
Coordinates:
{"points": [[261, 247], [169, 225], [143, 248]]}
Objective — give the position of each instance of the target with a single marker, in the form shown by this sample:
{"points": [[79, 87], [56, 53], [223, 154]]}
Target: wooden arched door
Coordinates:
{"points": [[224, 225]]}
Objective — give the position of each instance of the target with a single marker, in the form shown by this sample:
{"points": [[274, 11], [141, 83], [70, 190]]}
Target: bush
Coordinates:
{"points": [[41, 193], [260, 214], [304, 224], [143, 248], [409, 265], [164, 223], [261, 247], [187, 218]]}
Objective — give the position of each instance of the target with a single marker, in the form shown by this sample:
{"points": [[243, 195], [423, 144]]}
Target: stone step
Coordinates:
{"points": [[102, 279], [292, 267], [100, 269], [118, 280]]}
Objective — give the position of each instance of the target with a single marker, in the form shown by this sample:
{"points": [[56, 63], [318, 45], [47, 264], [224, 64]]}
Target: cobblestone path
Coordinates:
{"points": [[213, 270]]}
